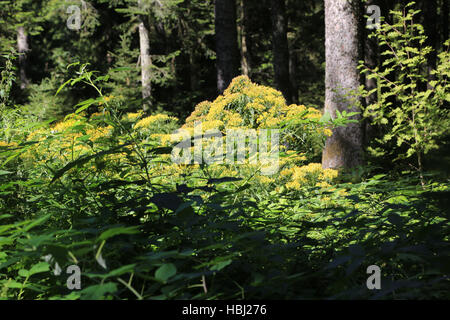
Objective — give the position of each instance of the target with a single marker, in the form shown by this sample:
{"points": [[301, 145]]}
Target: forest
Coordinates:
{"points": [[224, 150]]}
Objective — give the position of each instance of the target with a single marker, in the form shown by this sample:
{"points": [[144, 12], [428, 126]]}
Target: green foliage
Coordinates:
{"points": [[8, 78], [412, 105], [97, 188], [95, 192]]}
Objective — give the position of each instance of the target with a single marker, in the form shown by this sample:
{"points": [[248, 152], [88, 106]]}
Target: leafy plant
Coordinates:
{"points": [[410, 105], [98, 191]]}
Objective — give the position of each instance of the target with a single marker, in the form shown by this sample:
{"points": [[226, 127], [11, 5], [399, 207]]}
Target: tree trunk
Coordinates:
{"points": [[445, 20], [144, 43], [343, 51], [281, 49], [226, 43], [23, 48], [293, 64], [245, 59]]}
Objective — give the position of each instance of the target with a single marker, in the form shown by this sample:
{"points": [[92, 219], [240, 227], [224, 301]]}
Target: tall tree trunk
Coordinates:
{"points": [[144, 43], [193, 70], [242, 31], [281, 49], [293, 64], [23, 48], [226, 43], [343, 51], [445, 20]]}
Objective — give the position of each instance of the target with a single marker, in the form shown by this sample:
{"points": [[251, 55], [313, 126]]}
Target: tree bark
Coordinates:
{"points": [[343, 51], [281, 49], [144, 43], [245, 58], [445, 20], [227, 51], [23, 48], [293, 64]]}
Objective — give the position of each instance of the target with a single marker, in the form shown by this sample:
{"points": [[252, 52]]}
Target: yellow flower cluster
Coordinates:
{"points": [[199, 114], [4, 144], [243, 105], [98, 133], [66, 140], [132, 116], [264, 180], [246, 104], [291, 158], [309, 175], [155, 119], [100, 114], [106, 99], [67, 124]]}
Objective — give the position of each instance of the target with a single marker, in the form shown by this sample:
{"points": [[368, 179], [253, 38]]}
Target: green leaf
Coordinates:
{"points": [[39, 268], [325, 118], [165, 272], [86, 104], [24, 273], [116, 231], [12, 284], [36, 222], [114, 273], [62, 86], [98, 292], [219, 266], [85, 159]]}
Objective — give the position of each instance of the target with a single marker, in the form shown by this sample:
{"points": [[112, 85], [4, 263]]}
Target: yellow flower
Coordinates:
{"points": [[147, 122], [330, 174], [237, 84], [257, 106], [100, 114], [293, 185], [232, 119], [167, 139], [133, 116], [106, 99], [264, 179], [309, 175], [99, 132], [323, 184], [5, 144], [213, 125]]}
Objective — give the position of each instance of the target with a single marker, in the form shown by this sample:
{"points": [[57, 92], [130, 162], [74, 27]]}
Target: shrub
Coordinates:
{"points": [[410, 106]]}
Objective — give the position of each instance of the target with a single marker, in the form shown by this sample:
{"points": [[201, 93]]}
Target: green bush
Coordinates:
{"points": [[97, 192], [410, 104]]}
